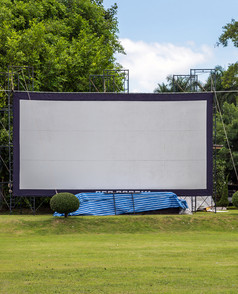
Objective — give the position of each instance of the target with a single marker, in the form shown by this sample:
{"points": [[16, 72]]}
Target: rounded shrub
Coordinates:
{"points": [[235, 199], [64, 203]]}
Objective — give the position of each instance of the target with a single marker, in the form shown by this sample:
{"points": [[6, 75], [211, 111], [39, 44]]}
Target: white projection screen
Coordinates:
{"points": [[81, 142]]}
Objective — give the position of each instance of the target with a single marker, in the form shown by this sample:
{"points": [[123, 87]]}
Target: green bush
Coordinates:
{"points": [[235, 199], [64, 203]]}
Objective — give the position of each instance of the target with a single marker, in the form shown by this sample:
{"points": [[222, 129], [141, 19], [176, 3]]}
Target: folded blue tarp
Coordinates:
{"points": [[113, 204]]}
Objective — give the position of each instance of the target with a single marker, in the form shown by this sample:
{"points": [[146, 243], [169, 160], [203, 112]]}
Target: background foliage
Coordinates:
{"points": [[65, 40]]}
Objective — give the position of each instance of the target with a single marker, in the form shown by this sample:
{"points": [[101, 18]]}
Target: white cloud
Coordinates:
{"points": [[150, 63]]}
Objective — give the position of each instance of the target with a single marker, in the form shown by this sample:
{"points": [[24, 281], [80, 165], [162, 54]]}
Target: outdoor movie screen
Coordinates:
{"points": [[81, 142]]}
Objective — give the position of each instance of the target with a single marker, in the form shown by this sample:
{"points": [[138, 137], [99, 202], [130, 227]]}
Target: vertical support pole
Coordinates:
{"points": [[113, 80], [9, 143], [1, 195], [104, 84], [32, 78], [20, 205], [18, 82], [34, 205], [215, 170], [191, 81], [114, 201], [124, 81], [132, 196]]}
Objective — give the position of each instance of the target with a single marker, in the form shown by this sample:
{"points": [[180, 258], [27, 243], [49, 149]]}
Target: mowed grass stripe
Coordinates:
{"points": [[46, 224], [128, 254]]}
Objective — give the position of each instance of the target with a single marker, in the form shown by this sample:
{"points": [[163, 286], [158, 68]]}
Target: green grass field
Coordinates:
{"points": [[119, 254]]}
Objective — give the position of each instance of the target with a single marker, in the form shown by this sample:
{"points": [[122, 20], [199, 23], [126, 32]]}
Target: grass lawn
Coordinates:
{"points": [[119, 254]]}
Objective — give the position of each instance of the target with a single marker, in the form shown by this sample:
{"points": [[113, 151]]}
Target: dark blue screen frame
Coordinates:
{"points": [[18, 96]]}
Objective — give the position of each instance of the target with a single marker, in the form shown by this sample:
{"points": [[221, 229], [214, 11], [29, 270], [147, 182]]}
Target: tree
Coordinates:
{"points": [[230, 33], [65, 40], [230, 78]]}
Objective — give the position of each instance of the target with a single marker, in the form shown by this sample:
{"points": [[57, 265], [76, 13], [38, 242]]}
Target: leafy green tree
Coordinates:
{"points": [[230, 33], [65, 40], [230, 78]]}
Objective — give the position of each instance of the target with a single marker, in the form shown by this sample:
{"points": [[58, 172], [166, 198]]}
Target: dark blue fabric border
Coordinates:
{"points": [[110, 97]]}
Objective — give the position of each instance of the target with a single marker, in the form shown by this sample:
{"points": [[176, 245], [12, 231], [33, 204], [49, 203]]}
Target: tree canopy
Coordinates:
{"points": [[230, 32], [64, 40]]}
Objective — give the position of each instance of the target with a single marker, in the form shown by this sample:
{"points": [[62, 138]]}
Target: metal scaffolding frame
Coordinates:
{"points": [[20, 78], [112, 80], [191, 81], [195, 71]]}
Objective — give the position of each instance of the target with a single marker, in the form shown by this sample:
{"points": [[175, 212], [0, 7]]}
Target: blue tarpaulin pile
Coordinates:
{"points": [[114, 203]]}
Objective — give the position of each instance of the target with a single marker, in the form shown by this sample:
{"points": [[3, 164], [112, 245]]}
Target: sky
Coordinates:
{"points": [[170, 37]]}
